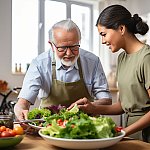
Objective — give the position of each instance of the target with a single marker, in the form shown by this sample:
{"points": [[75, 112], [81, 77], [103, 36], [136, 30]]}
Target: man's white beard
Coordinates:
{"points": [[66, 63]]}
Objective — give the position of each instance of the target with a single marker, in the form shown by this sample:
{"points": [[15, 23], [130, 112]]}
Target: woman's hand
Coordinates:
{"points": [[85, 105]]}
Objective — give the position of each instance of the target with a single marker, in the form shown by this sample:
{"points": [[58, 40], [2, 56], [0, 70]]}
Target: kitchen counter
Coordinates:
{"points": [[36, 143]]}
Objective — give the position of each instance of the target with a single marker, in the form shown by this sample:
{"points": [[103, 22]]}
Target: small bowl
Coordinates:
{"points": [[7, 121], [10, 141]]}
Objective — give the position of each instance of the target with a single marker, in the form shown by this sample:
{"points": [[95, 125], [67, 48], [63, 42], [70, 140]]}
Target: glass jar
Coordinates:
{"points": [[6, 120]]}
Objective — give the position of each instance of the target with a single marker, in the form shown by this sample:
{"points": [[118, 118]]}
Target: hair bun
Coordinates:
{"points": [[136, 18]]}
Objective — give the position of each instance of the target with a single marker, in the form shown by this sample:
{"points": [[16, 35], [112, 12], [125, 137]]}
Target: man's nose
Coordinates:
{"points": [[68, 51]]}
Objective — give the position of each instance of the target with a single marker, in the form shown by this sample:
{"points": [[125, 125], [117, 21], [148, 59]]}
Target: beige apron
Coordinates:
{"points": [[140, 135], [130, 118], [66, 93]]}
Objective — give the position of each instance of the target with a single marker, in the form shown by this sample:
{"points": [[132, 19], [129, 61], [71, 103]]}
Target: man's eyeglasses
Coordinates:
{"points": [[73, 48]]}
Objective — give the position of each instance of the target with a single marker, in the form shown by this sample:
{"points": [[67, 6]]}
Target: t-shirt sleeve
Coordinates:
{"points": [[146, 71]]}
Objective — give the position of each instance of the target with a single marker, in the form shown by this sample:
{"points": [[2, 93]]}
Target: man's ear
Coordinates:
{"points": [[122, 29], [52, 45]]}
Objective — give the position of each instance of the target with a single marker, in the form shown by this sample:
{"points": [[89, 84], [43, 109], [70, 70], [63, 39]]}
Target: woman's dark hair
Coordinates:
{"points": [[115, 15]]}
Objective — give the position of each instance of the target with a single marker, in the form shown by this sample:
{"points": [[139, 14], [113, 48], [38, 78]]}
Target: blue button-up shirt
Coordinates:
{"points": [[38, 79]]}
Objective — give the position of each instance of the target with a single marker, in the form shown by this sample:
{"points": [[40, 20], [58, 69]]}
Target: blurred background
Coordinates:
{"points": [[24, 26]]}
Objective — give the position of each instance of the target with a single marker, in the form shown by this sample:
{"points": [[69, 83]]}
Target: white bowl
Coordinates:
{"points": [[35, 127], [82, 143]]}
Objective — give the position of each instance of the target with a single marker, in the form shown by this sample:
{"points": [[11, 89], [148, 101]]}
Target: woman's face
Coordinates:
{"points": [[112, 38]]}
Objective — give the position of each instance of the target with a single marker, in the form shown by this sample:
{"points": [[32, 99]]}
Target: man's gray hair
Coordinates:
{"points": [[67, 24]]}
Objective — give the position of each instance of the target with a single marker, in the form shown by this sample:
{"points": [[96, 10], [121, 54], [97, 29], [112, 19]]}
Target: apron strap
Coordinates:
{"points": [[53, 70], [53, 67], [80, 68]]}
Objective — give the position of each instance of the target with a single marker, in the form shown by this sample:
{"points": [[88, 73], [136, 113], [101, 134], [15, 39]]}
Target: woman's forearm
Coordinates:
{"points": [[138, 125], [114, 109]]}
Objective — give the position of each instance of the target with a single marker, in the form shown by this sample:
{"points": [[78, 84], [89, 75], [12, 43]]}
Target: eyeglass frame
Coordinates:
{"points": [[65, 47]]}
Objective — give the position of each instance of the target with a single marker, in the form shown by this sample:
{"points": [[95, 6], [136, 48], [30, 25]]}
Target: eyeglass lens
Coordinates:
{"points": [[72, 48]]}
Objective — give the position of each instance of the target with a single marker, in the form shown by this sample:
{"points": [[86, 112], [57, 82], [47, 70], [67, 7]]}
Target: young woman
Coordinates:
{"points": [[117, 28]]}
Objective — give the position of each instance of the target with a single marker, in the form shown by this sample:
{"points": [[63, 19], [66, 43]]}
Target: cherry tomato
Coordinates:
{"points": [[118, 129], [12, 132], [2, 128], [60, 122], [5, 134], [18, 130], [8, 129]]}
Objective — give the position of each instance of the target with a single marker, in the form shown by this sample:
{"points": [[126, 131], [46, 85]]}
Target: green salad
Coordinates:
{"points": [[39, 113], [74, 124]]}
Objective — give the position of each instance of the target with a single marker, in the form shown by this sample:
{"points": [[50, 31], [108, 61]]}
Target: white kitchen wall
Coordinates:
{"points": [[5, 45]]}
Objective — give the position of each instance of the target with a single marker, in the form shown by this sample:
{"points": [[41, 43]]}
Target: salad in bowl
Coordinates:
{"points": [[75, 124], [42, 114], [73, 129]]}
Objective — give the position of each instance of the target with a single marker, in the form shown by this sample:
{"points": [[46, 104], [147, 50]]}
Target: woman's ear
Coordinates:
{"points": [[122, 29]]}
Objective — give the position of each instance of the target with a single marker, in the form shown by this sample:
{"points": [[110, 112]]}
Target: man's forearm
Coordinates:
{"points": [[24, 104]]}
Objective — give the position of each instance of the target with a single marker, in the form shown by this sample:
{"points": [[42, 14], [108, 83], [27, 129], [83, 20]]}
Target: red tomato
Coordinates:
{"points": [[18, 130], [12, 132], [5, 134], [2, 128], [118, 129], [8, 129], [60, 122]]}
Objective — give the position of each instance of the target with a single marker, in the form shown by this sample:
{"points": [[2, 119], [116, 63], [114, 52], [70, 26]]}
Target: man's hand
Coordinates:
{"points": [[21, 109]]}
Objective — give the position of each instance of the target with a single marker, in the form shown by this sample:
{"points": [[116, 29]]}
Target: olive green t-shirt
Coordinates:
{"points": [[133, 75]]}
